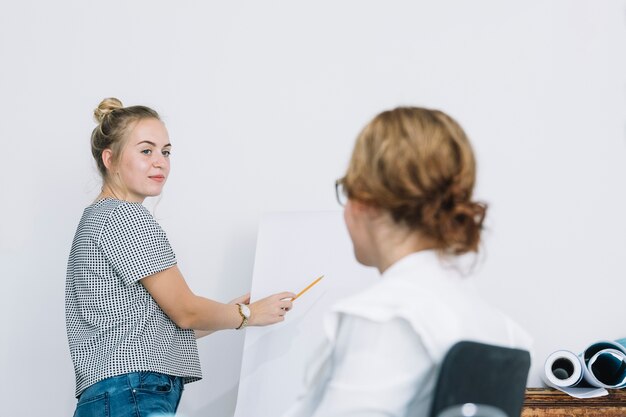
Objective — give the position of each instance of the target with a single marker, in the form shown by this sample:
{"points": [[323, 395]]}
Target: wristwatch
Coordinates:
{"points": [[244, 311]]}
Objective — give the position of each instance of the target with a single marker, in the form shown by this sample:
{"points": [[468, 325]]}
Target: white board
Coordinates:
{"points": [[292, 250]]}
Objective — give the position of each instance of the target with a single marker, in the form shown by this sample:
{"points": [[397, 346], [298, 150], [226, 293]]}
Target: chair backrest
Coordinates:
{"points": [[479, 373]]}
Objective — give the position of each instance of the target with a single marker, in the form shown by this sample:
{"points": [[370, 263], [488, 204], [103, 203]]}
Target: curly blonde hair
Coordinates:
{"points": [[419, 165]]}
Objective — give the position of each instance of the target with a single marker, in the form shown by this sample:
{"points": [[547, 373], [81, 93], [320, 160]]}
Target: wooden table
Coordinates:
{"points": [[547, 402]]}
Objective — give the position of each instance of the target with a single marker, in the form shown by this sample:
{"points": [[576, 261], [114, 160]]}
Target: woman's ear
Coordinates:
{"points": [[365, 208], [107, 158]]}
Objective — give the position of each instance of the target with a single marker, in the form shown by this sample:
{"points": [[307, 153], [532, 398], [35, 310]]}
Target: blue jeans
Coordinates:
{"points": [[138, 394]]}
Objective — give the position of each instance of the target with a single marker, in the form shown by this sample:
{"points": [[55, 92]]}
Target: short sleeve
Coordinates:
{"points": [[134, 244]]}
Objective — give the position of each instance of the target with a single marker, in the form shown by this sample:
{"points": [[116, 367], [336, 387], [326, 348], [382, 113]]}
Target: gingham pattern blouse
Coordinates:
{"points": [[113, 324]]}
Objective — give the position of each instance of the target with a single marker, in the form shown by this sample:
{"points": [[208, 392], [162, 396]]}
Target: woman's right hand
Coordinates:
{"points": [[270, 310]]}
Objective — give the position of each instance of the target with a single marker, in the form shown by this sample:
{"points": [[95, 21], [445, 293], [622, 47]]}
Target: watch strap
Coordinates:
{"points": [[244, 319]]}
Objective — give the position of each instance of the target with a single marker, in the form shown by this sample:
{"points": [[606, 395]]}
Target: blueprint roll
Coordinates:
{"points": [[605, 364], [563, 369]]}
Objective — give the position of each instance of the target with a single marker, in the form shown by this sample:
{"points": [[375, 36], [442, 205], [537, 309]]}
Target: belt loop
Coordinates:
{"points": [[134, 380]]}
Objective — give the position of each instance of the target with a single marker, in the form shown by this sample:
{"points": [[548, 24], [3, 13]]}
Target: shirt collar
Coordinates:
{"points": [[412, 262]]}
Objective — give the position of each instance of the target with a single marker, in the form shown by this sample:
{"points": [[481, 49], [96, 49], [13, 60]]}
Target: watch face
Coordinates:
{"points": [[245, 310]]}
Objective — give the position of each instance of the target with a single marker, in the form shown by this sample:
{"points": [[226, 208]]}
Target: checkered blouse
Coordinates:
{"points": [[113, 324]]}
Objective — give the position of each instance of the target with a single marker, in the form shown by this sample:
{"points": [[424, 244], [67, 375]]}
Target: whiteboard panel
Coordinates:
{"points": [[292, 250]]}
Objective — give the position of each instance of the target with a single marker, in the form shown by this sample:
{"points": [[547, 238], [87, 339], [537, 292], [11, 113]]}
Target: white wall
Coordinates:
{"points": [[263, 101]]}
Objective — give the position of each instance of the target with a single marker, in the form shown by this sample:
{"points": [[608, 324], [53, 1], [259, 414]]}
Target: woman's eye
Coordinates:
{"points": [[167, 153], [146, 151]]}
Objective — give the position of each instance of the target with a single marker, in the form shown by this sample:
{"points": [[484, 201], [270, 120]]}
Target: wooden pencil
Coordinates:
{"points": [[307, 288]]}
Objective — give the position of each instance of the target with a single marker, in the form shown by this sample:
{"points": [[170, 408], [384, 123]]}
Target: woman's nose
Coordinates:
{"points": [[158, 161]]}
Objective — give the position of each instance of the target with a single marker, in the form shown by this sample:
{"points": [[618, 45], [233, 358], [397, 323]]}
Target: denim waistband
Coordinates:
{"points": [[129, 381]]}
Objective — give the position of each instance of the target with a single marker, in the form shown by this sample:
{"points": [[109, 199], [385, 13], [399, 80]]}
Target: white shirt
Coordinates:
{"points": [[385, 344]]}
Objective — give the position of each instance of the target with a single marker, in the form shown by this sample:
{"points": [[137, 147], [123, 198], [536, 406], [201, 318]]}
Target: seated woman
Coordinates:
{"points": [[409, 212]]}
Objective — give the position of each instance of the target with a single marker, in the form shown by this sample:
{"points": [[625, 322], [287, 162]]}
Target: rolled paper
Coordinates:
{"points": [[563, 369], [602, 365], [607, 369], [605, 364]]}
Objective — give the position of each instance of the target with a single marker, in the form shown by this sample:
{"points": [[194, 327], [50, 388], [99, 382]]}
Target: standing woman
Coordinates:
{"points": [[410, 213], [129, 312]]}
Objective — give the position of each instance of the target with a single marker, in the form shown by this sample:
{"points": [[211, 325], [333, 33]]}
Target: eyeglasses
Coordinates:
{"points": [[340, 192]]}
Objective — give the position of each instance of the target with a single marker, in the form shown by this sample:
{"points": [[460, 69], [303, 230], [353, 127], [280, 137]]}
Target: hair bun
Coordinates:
{"points": [[460, 225], [105, 107]]}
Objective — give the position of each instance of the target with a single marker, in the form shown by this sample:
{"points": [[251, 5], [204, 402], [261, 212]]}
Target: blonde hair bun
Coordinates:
{"points": [[113, 122], [105, 107]]}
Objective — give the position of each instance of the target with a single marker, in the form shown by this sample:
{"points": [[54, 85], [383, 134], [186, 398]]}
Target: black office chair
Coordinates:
{"points": [[481, 374]]}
